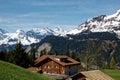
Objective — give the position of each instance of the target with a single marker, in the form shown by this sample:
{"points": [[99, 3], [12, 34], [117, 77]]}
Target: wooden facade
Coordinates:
{"points": [[52, 67], [57, 65]]}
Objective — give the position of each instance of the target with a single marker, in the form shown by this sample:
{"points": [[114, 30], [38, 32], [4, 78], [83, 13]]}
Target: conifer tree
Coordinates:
{"points": [[18, 56], [32, 56], [112, 63], [2, 55], [43, 52]]}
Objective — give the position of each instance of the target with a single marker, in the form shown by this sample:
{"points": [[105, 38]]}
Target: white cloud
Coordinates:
{"points": [[6, 20], [3, 20]]}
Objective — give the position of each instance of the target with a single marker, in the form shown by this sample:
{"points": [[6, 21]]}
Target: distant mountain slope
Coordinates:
{"points": [[77, 42], [102, 23], [100, 45], [32, 36], [12, 72]]}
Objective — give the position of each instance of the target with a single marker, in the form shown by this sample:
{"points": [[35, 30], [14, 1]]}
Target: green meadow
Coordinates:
{"points": [[12, 72], [115, 74]]}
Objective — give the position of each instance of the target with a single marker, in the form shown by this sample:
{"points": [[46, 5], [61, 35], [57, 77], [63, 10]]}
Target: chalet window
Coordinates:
{"points": [[56, 67], [52, 66], [45, 66], [45, 72], [48, 66], [37, 68]]}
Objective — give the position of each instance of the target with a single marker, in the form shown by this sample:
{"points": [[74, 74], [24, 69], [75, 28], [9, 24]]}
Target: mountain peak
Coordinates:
{"points": [[115, 16], [58, 29], [20, 31], [102, 23], [99, 18], [118, 12]]}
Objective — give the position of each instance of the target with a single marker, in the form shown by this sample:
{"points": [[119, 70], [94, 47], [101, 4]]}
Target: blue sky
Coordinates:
{"points": [[68, 14]]}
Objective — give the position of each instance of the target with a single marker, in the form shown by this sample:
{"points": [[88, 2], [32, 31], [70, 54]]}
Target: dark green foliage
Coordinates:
{"points": [[76, 43], [112, 63], [43, 52], [95, 35], [18, 56], [31, 56], [2, 55]]}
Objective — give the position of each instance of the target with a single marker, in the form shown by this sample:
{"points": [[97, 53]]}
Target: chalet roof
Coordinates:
{"points": [[96, 75], [91, 75], [61, 59]]}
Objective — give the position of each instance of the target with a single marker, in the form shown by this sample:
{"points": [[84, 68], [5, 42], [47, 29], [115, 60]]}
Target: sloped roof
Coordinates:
{"points": [[55, 58], [96, 75]]}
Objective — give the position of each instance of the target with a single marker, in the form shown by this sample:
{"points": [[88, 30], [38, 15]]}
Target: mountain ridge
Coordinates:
{"points": [[102, 23], [29, 37]]}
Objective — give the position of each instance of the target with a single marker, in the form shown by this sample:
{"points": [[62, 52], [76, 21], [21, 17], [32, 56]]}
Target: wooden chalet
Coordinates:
{"points": [[56, 64]]}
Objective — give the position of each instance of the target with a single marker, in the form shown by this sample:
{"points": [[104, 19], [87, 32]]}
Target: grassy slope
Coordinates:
{"points": [[12, 72], [115, 74]]}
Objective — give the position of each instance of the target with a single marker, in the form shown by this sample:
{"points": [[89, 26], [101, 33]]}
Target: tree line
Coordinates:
{"points": [[102, 55], [18, 56]]}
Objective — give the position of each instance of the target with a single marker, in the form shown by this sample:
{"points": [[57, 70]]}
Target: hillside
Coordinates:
{"points": [[12, 72], [100, 46], [78, 42]]}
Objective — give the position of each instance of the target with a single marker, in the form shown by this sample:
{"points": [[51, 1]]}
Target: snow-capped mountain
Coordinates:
{"points": [[103, 23], [39, 33], [2, 32], [59, 31], [26, 38]]}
